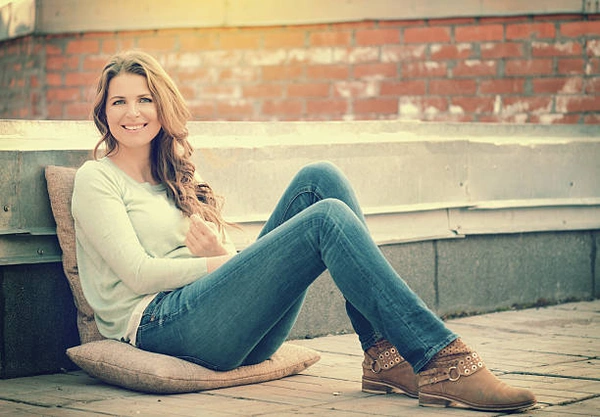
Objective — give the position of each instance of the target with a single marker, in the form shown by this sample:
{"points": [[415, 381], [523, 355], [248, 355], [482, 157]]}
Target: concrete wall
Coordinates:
{"points": [[474, 217]]}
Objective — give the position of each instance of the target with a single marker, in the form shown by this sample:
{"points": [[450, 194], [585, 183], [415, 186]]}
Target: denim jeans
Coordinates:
{"points": [[241, 313]]}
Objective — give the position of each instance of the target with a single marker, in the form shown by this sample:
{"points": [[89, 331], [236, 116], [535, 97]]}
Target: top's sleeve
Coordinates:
{"points": [[102, 222]]}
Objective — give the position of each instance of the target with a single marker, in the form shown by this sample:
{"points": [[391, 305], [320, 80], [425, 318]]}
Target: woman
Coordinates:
{"points": [[157, 266]]}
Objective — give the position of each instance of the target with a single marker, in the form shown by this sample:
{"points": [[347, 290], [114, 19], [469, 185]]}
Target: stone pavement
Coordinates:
{"points": [[554, 351]]}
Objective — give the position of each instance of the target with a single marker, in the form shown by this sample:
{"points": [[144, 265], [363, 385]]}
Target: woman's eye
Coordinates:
{"points": [[118, 102], [145, 100]]}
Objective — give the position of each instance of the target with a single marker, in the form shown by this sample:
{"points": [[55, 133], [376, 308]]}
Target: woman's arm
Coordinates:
{"points": [[103, 224]]}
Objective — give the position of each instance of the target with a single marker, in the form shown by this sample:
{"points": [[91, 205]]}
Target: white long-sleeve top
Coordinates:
{"points": [[130, 246]]}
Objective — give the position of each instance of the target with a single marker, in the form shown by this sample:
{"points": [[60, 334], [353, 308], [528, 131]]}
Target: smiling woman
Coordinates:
{"points": [[156, 267]]}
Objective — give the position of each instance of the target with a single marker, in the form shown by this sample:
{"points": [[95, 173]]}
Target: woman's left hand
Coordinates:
{"points": [[204, 238]]}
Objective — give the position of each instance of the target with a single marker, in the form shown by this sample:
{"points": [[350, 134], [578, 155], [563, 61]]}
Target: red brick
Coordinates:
{"points": [[293, 39], [241, 107], [356, 55], [592, 66], [157, 43], [576, 29], [62, 63], [427, 34], [452, 21], [406, 88], [419, 107], [543, 49], [77, 111], [398, 53], [281, 72], [375, 70], [330, 38], [592, 47], [327, 106], [424, 69], [591, 119], [53, 49], [513, 105], [452, 87], [240, 40], [94, 62], [62, 94], [450, 51], [501, 50], [237, 74], [365, 24], [263, 90], [377, 36], [475, 68], [54, 80], [566, 85], [592, 85], [194, 42], [327, 72], [83, 46], [358, 88], [571, 66], [570, 104], [558, 17], [400, 23], [480, 33], [528, 67], [308, 90], [81, 78], [282, 107], [555, 118], [502, 86], [474, 104], [376, 105], [54, 111], [202, 110], [530, 30]]}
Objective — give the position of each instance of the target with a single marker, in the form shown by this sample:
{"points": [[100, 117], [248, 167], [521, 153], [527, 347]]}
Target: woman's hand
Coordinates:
{"points": [[204, 238]]}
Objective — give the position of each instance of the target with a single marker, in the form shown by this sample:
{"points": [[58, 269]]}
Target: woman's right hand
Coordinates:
{"points": [[204, 238]]}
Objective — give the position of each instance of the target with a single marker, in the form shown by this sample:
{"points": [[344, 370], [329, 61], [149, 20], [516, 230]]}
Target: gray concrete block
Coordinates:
{"points": [[486, 273], [324, 311], [38, 320]]}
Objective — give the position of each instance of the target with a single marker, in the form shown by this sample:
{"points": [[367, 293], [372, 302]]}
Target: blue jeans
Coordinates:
{"points": [[241, 313]]}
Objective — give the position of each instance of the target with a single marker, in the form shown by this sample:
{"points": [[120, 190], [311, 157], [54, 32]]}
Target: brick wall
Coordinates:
{"points": [[543, 69]]}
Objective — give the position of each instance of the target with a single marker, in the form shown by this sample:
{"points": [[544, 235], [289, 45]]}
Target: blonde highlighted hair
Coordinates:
{"points": [[170, 150]]}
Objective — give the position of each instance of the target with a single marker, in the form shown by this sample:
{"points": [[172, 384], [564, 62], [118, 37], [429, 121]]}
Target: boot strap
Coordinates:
{"points": [[386, 360], [453, 370]]}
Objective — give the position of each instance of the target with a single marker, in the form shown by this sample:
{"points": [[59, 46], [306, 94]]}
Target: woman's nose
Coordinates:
{"points": [[133, 110]]}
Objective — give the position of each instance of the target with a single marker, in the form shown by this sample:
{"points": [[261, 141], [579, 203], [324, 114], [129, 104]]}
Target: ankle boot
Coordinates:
{"points": [[385, 371], [456, 376]]}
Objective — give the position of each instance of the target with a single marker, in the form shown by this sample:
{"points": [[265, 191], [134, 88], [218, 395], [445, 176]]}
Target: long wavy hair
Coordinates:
{"points": [[171, 152]]}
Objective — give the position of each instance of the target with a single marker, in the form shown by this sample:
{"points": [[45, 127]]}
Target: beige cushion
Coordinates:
{"points": [[60, 189], [124, 365], [121, 364]]}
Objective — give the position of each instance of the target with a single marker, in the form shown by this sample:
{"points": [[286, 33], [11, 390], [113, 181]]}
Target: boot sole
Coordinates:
{"points": [[428, 400], [378, 387]]}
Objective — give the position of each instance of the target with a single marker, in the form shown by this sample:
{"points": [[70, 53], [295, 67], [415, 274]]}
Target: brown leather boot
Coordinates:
{"points": [[385, 372], [457, 376]]}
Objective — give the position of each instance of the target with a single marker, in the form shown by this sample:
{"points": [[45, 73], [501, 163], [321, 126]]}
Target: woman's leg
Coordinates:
{"points": [[313, 183], [219, 320]]}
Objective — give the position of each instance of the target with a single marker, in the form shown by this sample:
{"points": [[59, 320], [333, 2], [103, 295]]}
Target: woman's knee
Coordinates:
{"points": [[321, 170]]}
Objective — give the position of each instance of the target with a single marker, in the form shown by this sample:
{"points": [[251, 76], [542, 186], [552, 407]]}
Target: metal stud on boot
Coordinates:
{"points": [[457, 377], [386, 372]]}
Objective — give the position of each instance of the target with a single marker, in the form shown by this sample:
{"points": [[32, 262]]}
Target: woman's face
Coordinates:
{"points": [[131, 112]]}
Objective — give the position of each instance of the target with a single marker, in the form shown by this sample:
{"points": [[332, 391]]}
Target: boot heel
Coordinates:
{"points": [[371, 387], [431, 401]]}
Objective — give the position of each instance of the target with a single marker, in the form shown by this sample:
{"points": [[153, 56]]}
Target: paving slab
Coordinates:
{"points": [[554, 351]]}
